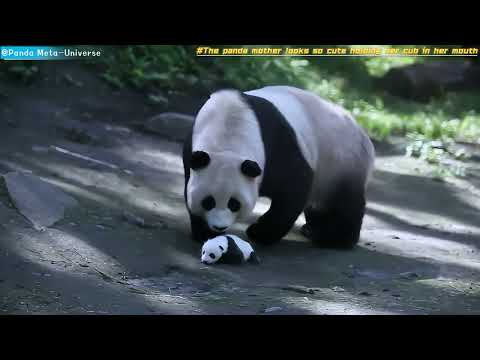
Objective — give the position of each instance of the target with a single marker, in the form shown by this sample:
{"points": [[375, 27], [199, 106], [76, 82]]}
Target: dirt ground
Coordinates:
{"points": [[419, 251]]}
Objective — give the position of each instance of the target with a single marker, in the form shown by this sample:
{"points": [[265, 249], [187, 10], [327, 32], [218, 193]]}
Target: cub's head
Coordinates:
{"points": [[213, 249], [223, 188]]}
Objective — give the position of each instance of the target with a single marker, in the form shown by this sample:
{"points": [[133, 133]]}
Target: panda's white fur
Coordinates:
{"points": [[320, 126], [224, 114], [214, 249]]}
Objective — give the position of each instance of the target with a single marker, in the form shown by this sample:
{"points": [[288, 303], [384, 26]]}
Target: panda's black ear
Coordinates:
{"points": [[200, 159], [250, 168]]}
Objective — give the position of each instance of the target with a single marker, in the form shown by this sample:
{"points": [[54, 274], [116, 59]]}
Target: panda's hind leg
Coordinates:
{"points": [[338, 223]]}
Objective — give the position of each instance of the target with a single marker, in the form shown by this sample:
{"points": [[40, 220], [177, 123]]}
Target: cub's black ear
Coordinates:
{"points": [[250, 168], [200, 159]]}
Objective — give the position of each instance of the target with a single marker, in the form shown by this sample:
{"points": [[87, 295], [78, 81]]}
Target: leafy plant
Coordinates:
{"points": [[441, 153], [25, 71]]}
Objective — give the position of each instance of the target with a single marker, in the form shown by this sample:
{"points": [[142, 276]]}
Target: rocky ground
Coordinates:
{"points": [[124, 247]]}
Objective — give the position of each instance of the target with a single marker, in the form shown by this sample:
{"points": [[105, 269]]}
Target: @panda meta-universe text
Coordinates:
{"points": [[47, 53]]}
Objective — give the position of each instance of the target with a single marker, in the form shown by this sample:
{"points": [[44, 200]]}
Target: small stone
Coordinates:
{"points": [[133, 219], [409, 275], [348, 274], [158, 100], [395, 237], [365, 293], [12, 123], [69, 79], [40, 149], [138, 221], [78, 136], [299, 289], [273, 309], [338, 289]]}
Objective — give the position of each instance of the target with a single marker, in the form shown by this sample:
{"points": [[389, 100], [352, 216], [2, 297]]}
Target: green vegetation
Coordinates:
{"points": [[348, 81], [430, 128], [25, 71]]}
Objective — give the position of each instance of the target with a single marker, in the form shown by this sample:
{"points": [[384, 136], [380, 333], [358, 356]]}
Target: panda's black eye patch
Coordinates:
{"points": [[199, 160], [221, 247], [234, 205], [212, 256], [208, 203], [250, 168]]}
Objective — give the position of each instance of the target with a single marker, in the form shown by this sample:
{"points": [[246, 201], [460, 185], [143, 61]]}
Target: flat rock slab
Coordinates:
{"points": [[41, 203]]}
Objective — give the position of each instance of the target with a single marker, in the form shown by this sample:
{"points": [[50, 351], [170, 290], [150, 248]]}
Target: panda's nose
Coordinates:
{"points": [[218, 228]]}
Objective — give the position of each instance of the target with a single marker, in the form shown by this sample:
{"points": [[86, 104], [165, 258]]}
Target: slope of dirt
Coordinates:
{"points": [[419, 252]]}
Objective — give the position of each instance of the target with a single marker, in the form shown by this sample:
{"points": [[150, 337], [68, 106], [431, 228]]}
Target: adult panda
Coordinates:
{"points": [[280, 142]]}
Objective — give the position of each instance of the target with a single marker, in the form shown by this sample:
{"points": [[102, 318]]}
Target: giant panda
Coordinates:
{"points": [[302, 152]]}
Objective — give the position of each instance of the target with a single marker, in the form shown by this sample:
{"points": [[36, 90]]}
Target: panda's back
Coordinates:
{"points": [[329, 138]]}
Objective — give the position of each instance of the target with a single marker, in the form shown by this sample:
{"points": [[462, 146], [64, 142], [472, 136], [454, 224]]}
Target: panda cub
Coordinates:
{"points": [[304, 153], [228, 249]]}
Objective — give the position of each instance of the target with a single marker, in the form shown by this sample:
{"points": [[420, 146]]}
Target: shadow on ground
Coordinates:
{"points": [[418, 253]]}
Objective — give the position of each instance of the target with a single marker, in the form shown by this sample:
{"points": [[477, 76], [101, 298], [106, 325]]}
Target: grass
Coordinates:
{"points": [[347, 81]]}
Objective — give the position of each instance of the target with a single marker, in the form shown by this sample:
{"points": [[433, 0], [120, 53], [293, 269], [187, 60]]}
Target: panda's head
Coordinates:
{"points": [[223, 188], [213, 249]]}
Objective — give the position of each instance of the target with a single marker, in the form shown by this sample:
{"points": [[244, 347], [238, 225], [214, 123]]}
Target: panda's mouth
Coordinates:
{"points": [[219, 229]]}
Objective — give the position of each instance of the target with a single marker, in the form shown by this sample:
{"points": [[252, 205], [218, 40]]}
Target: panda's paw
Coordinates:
{"points": [[253, 258], [306, 230], [260, 234], [254, 232]]}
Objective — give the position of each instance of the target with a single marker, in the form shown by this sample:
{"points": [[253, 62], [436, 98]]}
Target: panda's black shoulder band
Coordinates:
{"points": [[233, 255]]}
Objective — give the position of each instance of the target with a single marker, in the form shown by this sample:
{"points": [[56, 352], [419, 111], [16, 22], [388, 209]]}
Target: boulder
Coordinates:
{"points": [[171, 125], [423, 81]]}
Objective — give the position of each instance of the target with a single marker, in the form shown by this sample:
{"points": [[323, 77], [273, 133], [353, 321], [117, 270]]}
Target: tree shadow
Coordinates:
{"points": [[421, 194], [38, 282], [399, 224], [292, 262], [160, 257]]}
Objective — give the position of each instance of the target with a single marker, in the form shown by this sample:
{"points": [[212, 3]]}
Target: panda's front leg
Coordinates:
{"points": [[200, 230], [276, 222]]}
